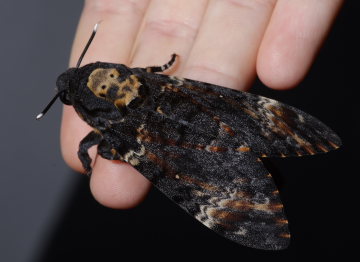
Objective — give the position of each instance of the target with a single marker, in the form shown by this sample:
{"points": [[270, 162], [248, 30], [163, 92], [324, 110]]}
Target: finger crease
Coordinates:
{"points": [[253, 4], [114, 8], [170, 28]]}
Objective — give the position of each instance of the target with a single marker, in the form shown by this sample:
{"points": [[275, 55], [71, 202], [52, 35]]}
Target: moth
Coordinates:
{"points": [[200, 144]]}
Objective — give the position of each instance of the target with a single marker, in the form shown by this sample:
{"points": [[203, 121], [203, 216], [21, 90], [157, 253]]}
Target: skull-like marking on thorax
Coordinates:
{"points": [[104, 83]]}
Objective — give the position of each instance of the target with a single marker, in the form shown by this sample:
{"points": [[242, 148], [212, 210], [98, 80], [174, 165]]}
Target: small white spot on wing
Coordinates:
{"points": [[301, 119], [242, 231]]}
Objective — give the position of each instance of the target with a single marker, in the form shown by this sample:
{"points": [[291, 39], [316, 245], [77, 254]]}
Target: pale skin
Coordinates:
{"points": [[224, 42]]}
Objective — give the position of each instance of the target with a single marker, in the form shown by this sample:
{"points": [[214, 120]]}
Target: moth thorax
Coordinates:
{"points": [[106, 84]]}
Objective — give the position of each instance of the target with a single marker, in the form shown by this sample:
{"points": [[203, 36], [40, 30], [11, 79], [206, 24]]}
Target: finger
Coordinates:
{"points": [[119, 185], [292, 39], [120, 23], [226, 47], [169, 27], [118, 17]]}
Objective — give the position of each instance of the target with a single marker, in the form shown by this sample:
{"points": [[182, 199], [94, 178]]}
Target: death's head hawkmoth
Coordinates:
{"points": [[198, 143]]}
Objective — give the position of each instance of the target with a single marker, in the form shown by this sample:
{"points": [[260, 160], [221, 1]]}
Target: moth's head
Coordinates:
{"points": [[64, 83]]}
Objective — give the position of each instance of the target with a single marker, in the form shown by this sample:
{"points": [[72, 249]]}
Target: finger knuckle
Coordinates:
{"points": [[171, 28]]}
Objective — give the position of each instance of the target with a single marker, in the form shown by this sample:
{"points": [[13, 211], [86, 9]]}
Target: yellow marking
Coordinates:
{"points": [[269, 175], [177, 176], [333, 144], [278, 112], [322, 148], [281, 126], [215, 149], [159, 110], [130, 156], [263, 155], [251, 113], [282, 221], [144, 136], [267, 207], [223, 215], [227, 128], [309, 149], [134, 161], [285, 128], [284, 235], [113, 151], [200, 183], [200, 147], [245, 205], [171, 87], [303, 143], [101, 80], [128, 91], [275, 192], [243, 149], [282, 155]]}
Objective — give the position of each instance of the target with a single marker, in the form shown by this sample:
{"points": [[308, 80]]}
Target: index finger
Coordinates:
{"points": [[113, 43]]}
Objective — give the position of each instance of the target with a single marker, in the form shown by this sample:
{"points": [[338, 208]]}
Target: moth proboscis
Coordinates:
{"points": [[198, 143]]}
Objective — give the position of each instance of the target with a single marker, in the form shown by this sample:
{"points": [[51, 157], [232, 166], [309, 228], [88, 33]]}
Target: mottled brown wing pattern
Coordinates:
{"points": [[226, 189], [266, 126], [236, 199], [200, 144]]}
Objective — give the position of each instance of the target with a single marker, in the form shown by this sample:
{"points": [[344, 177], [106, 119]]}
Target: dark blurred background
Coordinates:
{"points": [[48, 214]]}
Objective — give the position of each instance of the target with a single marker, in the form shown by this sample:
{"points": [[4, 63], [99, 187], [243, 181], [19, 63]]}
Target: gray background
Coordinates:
{"points": [[36, 37], [36, 187]]}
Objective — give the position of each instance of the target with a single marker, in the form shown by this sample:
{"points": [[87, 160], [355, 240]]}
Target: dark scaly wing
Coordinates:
{"points": [[266, 126], [227, 190]]}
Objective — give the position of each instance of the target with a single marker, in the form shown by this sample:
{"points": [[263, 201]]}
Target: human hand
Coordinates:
{"points": [[224, 42]]}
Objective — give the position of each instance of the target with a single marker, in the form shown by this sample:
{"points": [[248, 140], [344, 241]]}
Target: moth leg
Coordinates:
{"points": [[107, 151], [92, 139], [156, 69]]}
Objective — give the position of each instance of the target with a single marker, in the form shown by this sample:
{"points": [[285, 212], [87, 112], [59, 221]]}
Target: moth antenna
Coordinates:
{"points": [[88, 44], [77, 66], [48, 106]]}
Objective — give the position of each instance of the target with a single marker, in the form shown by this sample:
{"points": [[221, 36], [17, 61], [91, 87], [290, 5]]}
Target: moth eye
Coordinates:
{"points": [[103, 86], [112, 75]]}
